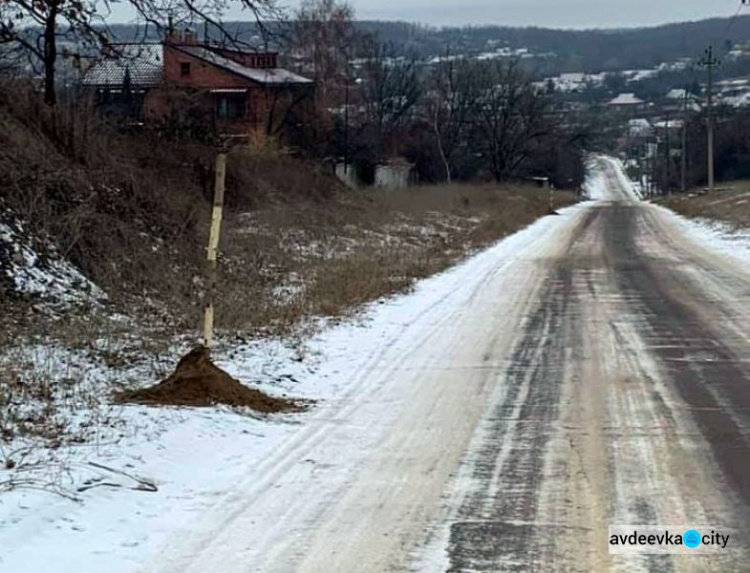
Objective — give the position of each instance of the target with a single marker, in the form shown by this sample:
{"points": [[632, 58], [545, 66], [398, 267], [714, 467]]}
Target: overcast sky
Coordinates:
{"points": [[546, 13]]}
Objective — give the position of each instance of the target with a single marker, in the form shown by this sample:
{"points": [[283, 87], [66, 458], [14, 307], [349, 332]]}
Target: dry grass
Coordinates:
{"points": [[327, 259], [730, 204]]}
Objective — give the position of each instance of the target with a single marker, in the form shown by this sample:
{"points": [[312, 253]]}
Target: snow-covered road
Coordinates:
{"points": [[590, 370]]}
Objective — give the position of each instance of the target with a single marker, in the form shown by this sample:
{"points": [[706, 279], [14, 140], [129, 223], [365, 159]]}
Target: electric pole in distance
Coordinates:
{"points": [[683, 158], [710, 62]]}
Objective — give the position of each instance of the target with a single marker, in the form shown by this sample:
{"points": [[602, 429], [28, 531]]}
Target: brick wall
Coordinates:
{"points": [[204, 76], [192, 89]]}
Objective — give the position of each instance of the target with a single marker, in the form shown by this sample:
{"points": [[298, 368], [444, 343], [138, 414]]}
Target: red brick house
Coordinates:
{"points": [[230, 91]]}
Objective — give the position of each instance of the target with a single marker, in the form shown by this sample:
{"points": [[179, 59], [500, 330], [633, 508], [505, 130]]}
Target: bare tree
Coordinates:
{"points": [[37, 26], [324, 38], [391, 89], [48, 29], [452, 103], [512, 116]]}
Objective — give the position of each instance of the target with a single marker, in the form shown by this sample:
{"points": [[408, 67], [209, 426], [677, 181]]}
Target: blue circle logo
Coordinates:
{"points": [[691, 538]]}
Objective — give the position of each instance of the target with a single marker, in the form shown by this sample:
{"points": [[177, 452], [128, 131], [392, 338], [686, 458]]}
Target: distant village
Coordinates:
{"points": [[382, 105]]}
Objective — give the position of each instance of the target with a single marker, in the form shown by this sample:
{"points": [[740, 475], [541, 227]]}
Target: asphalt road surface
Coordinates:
{"points": [[599, 374]]}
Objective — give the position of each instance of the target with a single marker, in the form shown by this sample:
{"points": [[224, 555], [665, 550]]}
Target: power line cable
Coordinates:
{"points": [[736, 15]]}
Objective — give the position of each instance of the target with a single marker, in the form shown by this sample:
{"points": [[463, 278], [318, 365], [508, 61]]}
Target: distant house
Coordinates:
{"points": [[232, 91], [394, 173], [627, 104], [734, 93], [639, 127], [628, 100], [677, 100], [678, 94]]}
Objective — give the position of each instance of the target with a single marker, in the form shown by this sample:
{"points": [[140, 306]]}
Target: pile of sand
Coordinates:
{"points": [[199, 382]]}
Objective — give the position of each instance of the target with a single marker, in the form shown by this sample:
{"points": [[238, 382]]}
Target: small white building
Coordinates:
{"points": [[639, 127], [678, 94], [395, 174]]}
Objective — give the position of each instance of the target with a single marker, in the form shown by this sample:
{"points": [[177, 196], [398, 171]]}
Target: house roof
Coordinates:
{"points": [[639, 127], [265, 76], [669, 124], [143, 61], [626, 99], [676, 94]]}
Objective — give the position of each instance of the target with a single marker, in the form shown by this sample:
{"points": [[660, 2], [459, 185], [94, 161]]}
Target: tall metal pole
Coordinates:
{"points": [[710, 63]]}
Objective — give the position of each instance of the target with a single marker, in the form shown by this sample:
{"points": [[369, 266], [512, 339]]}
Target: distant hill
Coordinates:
{"points": [[576, 50], [589, 51]]}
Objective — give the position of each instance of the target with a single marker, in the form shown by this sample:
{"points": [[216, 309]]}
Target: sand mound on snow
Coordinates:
{"points": [[199, 382]]}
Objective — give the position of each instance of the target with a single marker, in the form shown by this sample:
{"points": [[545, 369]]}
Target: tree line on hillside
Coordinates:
{"points": [[590, 51]]}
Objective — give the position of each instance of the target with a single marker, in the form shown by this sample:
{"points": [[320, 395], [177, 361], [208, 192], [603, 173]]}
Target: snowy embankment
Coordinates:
{"points": [[595, 186], [716, 235], [26, 272]]}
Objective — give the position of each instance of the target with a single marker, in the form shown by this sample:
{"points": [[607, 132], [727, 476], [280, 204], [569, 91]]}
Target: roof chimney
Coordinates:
{"points": [[190, 37]]}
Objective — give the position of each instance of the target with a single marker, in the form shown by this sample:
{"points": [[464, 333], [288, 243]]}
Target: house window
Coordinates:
{"points": [[184, 69], [230, 106]]}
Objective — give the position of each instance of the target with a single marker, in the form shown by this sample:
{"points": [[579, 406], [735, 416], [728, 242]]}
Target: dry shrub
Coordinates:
{"points": [[124, 209], [130, 208]]}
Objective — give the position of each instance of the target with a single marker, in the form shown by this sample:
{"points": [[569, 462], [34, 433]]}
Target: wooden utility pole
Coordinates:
{"points": [[649, 170], [551, 196], [683, 157], [667, 160], [346, 113], [213, 249], [710, 62]]}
